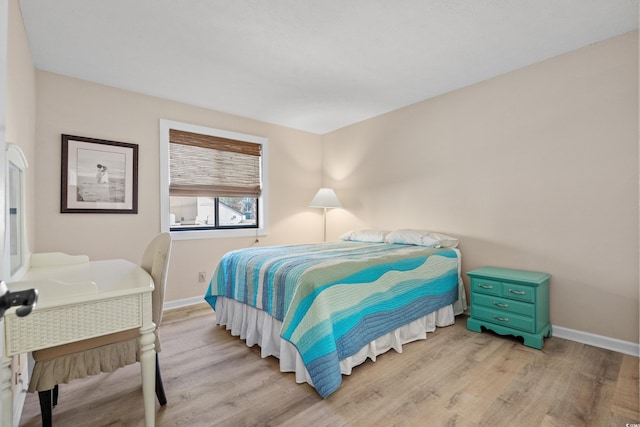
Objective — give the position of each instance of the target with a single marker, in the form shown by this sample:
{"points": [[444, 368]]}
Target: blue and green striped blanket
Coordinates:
{"points": [[334, 298]]}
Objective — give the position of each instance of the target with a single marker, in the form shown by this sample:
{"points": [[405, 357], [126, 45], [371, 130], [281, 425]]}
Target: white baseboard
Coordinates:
{"points": [[168, 305], [612, 344]]}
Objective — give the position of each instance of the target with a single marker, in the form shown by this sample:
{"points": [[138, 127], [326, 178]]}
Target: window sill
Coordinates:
{"points": [[217, 234]]}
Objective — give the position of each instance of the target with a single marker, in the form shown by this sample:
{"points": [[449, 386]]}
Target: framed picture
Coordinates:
{"points": [[98, 176]]}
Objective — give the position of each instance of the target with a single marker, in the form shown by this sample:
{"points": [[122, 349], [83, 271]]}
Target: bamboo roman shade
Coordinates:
{"points": [[210, 166]]}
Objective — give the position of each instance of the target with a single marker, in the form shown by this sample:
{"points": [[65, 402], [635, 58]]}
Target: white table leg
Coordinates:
{"points": [[148, 370], [7, 393]]}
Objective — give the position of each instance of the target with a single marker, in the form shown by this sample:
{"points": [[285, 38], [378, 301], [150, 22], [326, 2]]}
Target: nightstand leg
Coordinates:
{"points": [[474, 325], [534, 341]]}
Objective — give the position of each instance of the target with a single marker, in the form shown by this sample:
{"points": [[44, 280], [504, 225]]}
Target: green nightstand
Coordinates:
{"points": [[510, 302]]}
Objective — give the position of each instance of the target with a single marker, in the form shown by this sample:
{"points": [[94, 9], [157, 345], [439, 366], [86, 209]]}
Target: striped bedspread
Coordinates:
{"points": [[334, 298]]}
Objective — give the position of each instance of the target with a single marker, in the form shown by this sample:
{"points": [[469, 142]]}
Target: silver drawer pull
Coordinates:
{"points": [[501, 305], [502, 319], [485, 286], [517, 292]]}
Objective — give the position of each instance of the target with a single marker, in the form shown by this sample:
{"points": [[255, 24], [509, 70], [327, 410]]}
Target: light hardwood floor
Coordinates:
{"points": [[454, 378]]}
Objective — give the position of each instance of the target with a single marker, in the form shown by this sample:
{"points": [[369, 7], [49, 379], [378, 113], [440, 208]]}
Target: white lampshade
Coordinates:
{"points": [[325, 198]]}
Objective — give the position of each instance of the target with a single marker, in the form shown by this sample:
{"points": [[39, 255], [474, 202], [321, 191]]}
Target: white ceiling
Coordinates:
{"points": [[315, 65]]}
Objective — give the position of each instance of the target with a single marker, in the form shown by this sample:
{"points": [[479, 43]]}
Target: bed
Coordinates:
{"points": [[322, 309]]}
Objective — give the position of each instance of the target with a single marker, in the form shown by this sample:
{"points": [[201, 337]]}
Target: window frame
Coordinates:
{"points": [[261, 230]]}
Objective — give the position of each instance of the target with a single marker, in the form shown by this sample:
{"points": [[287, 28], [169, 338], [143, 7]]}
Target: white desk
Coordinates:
{"points": [[79, 301]]}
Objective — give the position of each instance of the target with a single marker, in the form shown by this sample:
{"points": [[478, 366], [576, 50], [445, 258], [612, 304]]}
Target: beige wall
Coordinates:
{"points": [[71, 106], [21, 104], [536, 169]]}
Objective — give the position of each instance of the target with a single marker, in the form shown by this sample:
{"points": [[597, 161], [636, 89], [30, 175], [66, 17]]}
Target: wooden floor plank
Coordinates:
{"points": [[453, 378], [627, 394]]}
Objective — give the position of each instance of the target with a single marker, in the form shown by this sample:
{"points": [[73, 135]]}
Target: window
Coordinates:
{"points": [[212, 183]]}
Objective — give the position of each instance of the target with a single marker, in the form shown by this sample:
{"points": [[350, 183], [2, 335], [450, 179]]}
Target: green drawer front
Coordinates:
{"points": [[504, 305], [486, 286], [508, 320], [519, 292]]}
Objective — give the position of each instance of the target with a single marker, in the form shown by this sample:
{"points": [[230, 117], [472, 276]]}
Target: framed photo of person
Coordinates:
{"points": [[98, 176]]}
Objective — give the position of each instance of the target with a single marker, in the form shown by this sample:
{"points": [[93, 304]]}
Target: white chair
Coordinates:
{"points": [[68, 362]]}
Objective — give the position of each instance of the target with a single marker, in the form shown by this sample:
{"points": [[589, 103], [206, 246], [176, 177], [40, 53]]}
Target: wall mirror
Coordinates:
{"points": [[16, 219]]}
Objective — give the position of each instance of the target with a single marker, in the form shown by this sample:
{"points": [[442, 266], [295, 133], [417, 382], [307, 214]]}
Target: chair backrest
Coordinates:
{"points": [[155, 261]]}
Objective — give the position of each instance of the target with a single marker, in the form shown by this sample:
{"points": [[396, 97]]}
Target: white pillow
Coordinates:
{"points": [[421, 238], [371, 236], [445, 240], [411, 237]]}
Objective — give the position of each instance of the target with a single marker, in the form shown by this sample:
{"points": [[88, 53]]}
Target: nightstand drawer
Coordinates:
{"points": [[485, 286], [519, 292], [501, 318], [503, 304]]}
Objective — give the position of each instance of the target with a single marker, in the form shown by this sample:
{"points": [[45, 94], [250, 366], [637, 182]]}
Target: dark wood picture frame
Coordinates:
{"points": [[98, 176]]}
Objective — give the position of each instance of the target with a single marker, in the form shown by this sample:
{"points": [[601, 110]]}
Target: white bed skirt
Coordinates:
{"points": [[258, 327]]}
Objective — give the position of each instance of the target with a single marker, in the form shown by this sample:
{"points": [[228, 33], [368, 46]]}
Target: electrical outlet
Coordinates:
{"points": [[201, 276]]}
